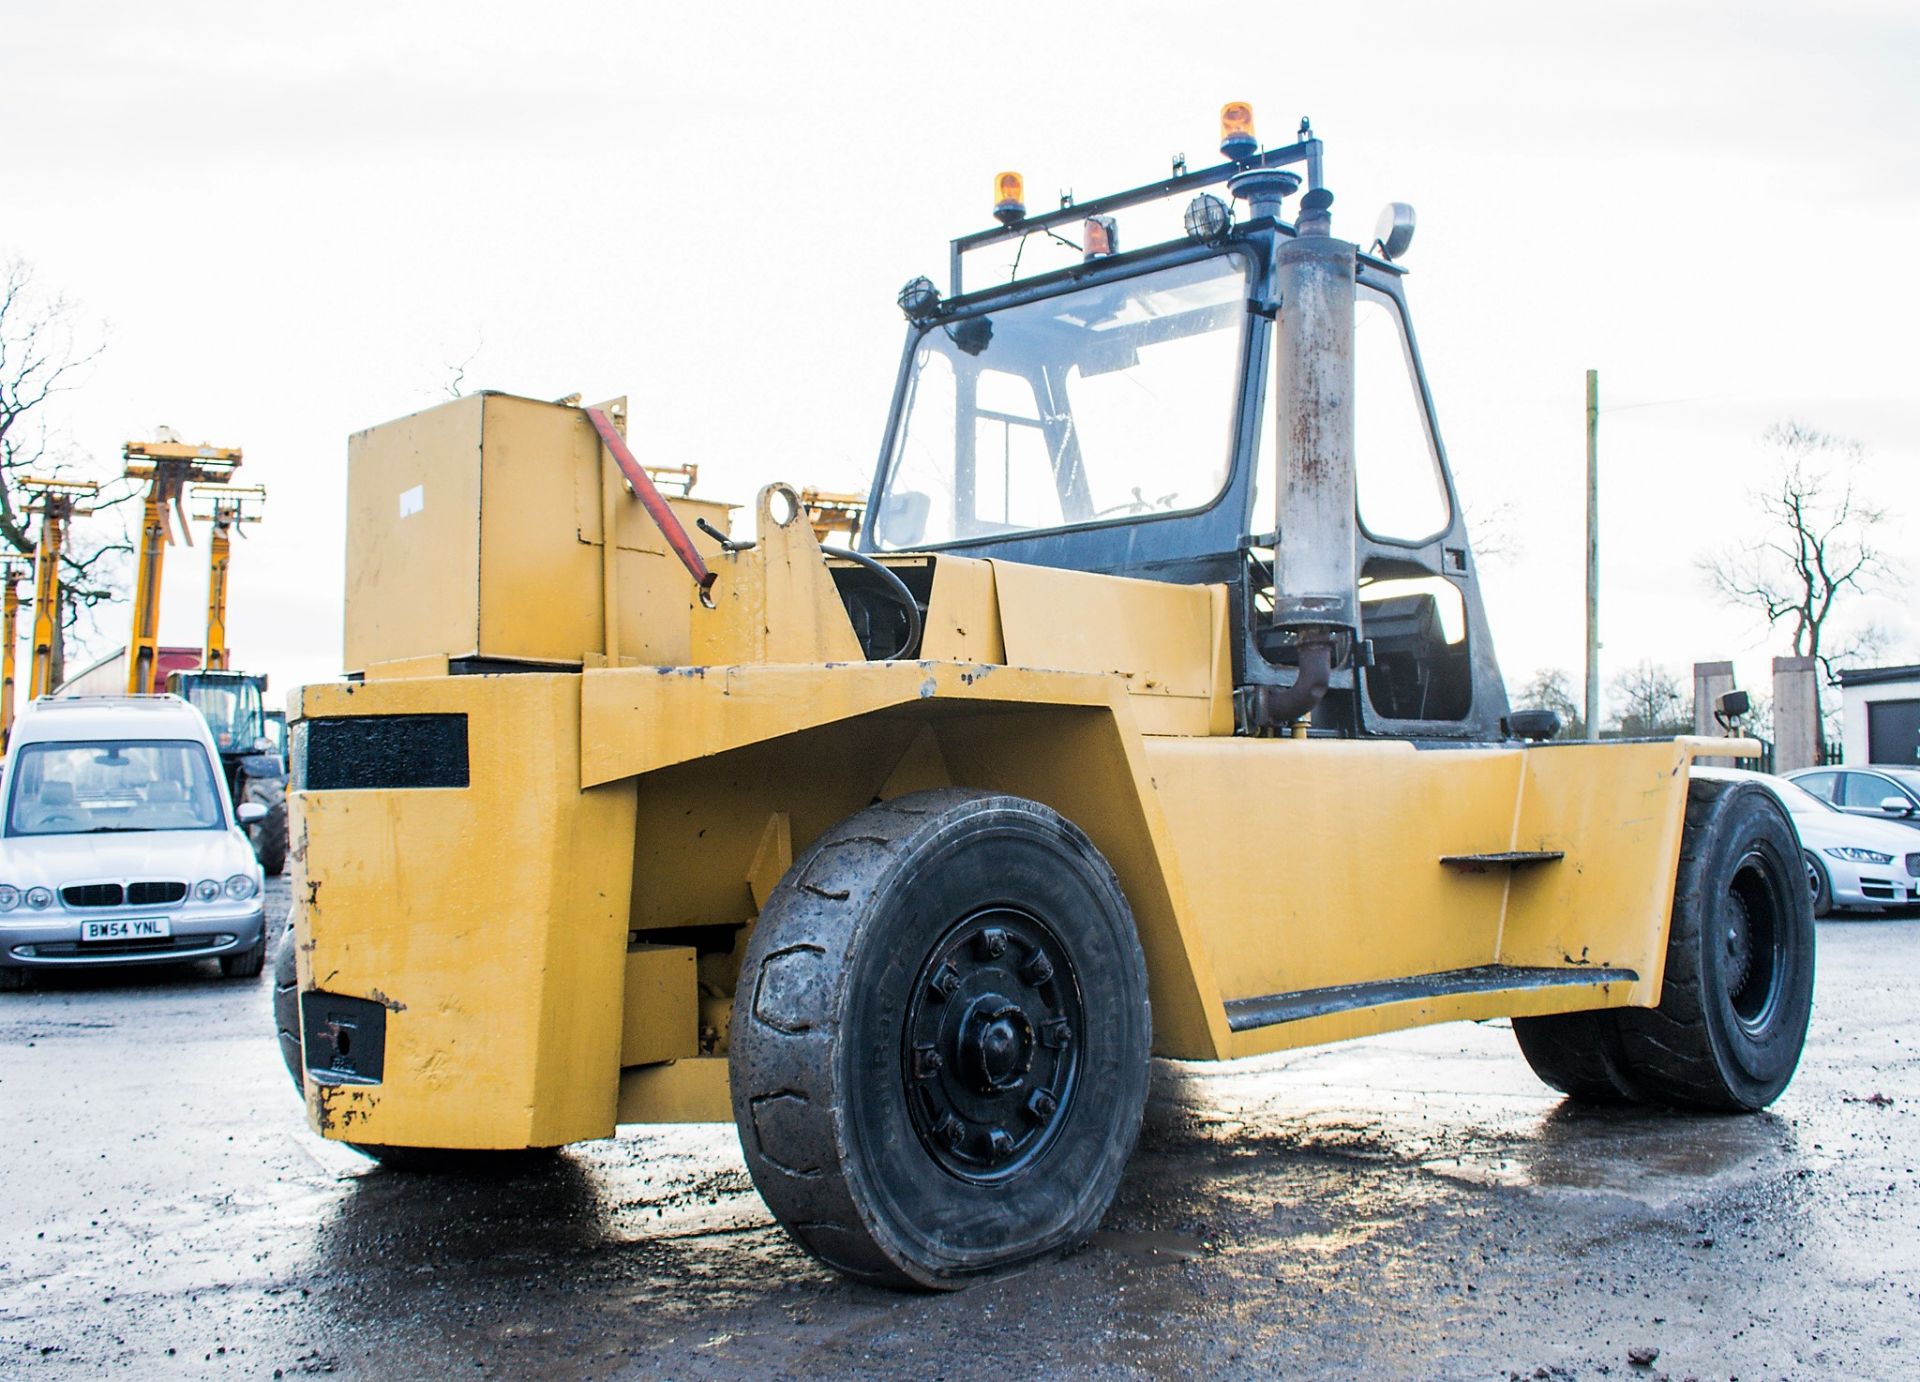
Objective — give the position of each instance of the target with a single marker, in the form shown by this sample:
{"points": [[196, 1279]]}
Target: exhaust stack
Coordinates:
{"points": [[1314, 576]]}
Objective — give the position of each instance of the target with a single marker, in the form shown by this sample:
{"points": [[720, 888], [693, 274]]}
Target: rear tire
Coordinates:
{"points": [[940, 1039], [286, 1006], [1738, 992], [1580, 1055], [270, 835]]}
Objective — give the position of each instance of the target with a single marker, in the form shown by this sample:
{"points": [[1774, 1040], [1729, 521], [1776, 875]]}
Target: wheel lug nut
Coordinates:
{"points": [[1001, 1144], [1038, 968], [926, 1062], [951, 1130], [992, 943], [1056, 1034], [945, 982], [1041, 1104]]}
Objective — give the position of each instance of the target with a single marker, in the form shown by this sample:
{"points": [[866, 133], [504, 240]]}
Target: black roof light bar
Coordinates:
{"points": [[1306, 151]]}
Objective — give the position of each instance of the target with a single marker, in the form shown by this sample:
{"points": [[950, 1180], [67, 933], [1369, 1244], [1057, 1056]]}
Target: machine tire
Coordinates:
{"points": [[286, 1007], [286, 1021], [990, 926], [1820, 883], [1580, 1055], [1715, 1042], [270, 835], [1738, 993], [248, 963]]}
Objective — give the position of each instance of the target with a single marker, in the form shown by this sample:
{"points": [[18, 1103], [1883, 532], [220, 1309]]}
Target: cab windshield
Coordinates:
{"points": [[232, 709], [105, 785], [1108, 402]]}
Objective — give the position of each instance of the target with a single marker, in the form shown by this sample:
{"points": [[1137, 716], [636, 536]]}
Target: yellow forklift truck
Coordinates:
{"points": [[1156, 713]]}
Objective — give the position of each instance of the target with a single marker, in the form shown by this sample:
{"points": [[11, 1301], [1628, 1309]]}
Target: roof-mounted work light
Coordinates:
{"points": [[920, 300], [1237, 140], [1393, 233], [1009, 198], [1208, 218]]}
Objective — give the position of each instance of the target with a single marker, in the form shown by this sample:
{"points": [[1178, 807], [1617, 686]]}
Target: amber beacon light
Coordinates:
{"points": [[1009, 198], [1237, 139]]}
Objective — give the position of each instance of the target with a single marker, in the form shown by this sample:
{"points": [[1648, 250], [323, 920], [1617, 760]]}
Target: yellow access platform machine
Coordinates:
{"points": [[1156, 713]]}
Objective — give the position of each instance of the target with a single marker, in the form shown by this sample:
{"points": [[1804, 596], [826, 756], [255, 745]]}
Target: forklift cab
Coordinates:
{"points": [[1115, 416]]}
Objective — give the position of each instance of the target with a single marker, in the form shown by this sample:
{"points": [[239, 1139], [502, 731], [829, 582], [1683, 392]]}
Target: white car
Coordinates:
{"points": [[118, 844], [1851, 861]]}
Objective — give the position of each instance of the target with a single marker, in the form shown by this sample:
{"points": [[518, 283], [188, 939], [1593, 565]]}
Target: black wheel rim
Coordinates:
{"points": [[1752, 934], [992, 1045]]}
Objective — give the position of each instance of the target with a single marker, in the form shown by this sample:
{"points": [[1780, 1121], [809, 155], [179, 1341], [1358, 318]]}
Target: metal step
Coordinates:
{"points": [[1273, 1009]]}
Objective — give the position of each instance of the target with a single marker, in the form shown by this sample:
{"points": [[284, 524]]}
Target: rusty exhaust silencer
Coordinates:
{"points": [[1313, 574]]}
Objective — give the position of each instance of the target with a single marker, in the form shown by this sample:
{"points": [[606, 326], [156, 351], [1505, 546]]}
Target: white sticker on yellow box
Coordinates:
{"points": [[413, 500]]}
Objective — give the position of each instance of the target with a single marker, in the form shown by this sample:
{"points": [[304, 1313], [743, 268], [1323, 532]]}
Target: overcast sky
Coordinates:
{"points": [[295, 221]]}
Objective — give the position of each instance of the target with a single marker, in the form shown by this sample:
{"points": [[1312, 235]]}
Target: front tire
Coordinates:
{"points": [[940, 1040]]}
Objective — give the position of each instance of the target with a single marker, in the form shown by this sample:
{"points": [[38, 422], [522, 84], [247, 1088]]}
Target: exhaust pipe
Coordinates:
{"points": [[1314, 569]]}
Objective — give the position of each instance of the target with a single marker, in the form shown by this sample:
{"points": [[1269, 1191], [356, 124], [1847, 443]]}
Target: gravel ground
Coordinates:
{"points": [[1412, 1206]]}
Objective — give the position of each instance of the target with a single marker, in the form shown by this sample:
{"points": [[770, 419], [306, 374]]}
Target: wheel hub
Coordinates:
{"points": [[992, 1049], [1737, 937]]}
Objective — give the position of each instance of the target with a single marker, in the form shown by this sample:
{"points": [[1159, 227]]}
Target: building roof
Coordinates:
{"points": [[1875, 676]]}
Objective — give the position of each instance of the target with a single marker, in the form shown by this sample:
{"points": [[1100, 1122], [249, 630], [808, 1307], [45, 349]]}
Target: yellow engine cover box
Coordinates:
{"points": [[477, 530]]}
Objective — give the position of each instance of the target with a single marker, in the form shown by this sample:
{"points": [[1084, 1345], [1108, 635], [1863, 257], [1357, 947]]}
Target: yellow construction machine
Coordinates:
{"points": [[1157, 712]]}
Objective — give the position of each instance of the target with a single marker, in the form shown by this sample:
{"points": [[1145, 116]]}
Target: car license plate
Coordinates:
{"points": [[126, 929]]}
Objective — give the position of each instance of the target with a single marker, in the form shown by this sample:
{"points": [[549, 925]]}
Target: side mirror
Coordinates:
{"points": [[1896, 806], [250, 812]]}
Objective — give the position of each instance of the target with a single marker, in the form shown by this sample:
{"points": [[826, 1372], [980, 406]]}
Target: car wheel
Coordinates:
{"points": [[248, 963], [940, 1039], [13, 979], [1821, 885]]}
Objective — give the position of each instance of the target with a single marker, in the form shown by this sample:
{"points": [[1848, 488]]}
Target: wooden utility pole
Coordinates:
{"points": [[1593, 554]]}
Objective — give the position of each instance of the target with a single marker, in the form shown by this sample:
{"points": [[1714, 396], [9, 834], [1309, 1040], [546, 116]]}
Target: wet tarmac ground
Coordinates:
{"points": [[1413, 1206]]}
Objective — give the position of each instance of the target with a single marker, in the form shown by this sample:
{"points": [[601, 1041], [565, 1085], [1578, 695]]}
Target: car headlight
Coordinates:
{"points": [[240, 887], [39, 898], [9, 897], [1854, 855], [206, 890]]}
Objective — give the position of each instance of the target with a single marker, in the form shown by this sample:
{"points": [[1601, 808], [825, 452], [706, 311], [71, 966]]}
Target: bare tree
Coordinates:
{"points": [[1816, 543], [1551, 688], [1651, 701], [40, 358]]}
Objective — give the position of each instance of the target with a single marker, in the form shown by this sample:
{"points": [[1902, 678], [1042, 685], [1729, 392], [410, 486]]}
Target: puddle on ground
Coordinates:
{"points": [[1151, 1246]]}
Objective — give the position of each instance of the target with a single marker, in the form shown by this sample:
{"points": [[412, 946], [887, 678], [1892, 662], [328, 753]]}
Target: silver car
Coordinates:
{"points": [[118, 844]]}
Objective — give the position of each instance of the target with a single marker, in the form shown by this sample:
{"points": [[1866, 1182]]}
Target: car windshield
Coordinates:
{"points": [[112, 785], [1107, 402]]}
